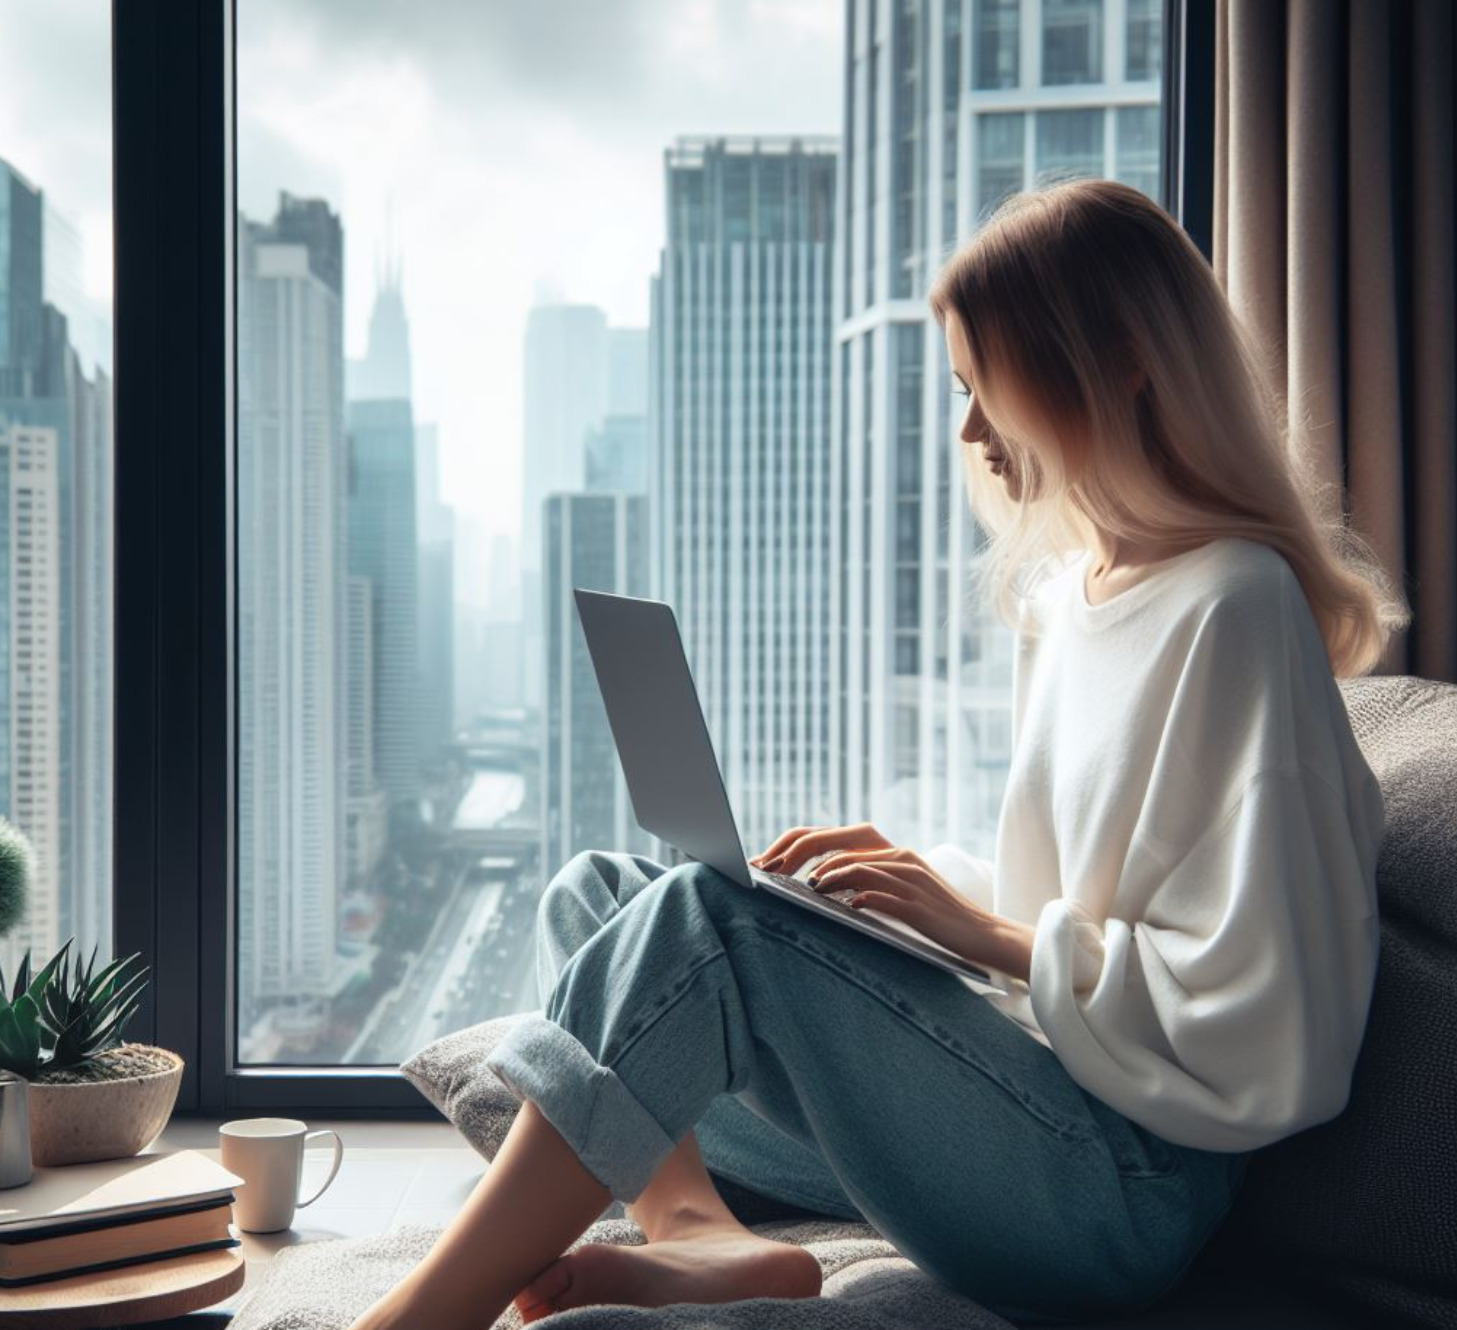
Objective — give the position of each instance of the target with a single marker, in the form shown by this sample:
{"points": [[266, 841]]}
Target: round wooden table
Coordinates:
{"points": [[150, 1291]]}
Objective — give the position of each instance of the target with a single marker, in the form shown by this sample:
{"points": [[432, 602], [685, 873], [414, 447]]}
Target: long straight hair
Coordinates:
{"points": [[1079, 293]]}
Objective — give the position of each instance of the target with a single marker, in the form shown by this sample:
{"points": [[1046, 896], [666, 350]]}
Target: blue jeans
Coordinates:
{"points": [[823, 1068]]}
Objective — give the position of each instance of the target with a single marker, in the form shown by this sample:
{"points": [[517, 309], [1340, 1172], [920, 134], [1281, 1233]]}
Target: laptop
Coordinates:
{"points": [[673, 777]]}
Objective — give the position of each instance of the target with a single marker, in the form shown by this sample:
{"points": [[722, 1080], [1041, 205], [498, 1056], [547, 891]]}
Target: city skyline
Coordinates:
{"points": [[420, 742]]}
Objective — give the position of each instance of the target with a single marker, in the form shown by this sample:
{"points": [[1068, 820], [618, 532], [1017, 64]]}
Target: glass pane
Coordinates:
{"points": [[998, 43], [1144, 57], [1072, 41], [512, 321], [56, 469], [1139, 148], [1069, 143], [1000, 158]]}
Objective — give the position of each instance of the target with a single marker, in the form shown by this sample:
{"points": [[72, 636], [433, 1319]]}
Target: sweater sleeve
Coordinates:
{"points": [[1229, 1015]]}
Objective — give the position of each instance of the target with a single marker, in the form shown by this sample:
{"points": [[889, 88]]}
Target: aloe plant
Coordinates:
{"points": [[23, 1031], [87, 1015]]}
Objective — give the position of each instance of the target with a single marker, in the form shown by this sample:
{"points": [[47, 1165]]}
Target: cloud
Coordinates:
{"points": [[518, 145]]}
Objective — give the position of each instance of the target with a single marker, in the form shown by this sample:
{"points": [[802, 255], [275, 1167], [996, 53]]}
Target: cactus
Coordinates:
{"points": [[16, 858], [86, 1015], [22, 1030]]}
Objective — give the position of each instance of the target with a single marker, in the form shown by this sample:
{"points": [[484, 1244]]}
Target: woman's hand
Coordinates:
{"points": [[797, 846], [898, 882]]}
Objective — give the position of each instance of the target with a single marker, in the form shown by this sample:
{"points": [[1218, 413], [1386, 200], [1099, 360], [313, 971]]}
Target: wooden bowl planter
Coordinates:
{"points": [[113, 1109]]}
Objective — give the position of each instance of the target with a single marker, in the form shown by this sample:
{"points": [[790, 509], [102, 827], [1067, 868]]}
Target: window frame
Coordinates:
{"points": [[173, 122]]}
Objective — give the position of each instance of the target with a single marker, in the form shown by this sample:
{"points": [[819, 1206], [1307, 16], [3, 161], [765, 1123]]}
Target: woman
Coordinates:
{"points": [[1182, 908]]}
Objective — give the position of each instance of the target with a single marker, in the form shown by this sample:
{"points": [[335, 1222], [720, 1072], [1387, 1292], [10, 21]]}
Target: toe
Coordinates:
{"points": [[542, 1296]]}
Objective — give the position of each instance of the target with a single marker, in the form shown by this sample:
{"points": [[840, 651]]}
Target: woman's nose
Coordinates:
{"points": [[973, 427]]}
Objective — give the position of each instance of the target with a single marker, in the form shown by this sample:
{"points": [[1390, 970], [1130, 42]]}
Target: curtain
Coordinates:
{"points": [[1334, 240]]}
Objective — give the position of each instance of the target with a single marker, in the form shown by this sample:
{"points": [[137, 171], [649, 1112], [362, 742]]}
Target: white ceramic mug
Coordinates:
{"points": [[268, 1154]]}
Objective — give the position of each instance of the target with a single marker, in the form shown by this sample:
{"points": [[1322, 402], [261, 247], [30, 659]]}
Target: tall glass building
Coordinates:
{"points": [[740, 436], [950, 105]]}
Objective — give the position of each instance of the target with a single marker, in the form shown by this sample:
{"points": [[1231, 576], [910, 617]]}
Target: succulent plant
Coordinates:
{"points": [[16, 859], [23, 1031], [86, 1015]]}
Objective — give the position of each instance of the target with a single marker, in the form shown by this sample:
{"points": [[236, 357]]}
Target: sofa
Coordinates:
{"points": [[1349, 1225]]}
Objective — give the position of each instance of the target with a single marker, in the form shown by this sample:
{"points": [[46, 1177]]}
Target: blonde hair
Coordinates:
{"points": [[1080, 292]]}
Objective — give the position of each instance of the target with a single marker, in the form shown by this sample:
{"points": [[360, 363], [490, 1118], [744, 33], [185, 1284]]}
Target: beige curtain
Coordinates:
{"points": [[1334, 239]]}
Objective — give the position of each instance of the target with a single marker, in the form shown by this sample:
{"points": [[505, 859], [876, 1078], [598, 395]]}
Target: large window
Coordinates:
{"points": [[56, 469], [512, 316], [457, 254]]}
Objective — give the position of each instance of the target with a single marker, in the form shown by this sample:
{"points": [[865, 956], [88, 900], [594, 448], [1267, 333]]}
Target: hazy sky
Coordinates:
{"points": [[516, 143]]}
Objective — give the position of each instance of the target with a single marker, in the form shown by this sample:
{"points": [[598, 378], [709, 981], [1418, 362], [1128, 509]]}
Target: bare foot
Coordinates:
{"points": [[718, 1262]]}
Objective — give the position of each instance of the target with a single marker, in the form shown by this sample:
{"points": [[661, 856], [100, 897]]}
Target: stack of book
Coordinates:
{"points": [[81, 1217]]}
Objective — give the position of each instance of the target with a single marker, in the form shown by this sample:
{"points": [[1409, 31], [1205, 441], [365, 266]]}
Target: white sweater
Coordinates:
{"points": [[1192, 830]]}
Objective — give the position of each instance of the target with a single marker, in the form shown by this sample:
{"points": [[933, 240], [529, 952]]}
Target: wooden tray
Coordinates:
{"points": [[151, 1291]]}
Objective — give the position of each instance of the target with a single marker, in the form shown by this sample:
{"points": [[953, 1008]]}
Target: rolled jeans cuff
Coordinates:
{"points": [[618, 1141]]}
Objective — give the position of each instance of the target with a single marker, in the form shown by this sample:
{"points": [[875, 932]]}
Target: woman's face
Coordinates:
{"points": [[977, 428]]}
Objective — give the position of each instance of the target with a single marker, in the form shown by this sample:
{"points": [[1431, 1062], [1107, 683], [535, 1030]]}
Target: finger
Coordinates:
{"points": [[869, 877], [780, 845], [817, 840], [843, 858], [907, 878], [895, 906]]}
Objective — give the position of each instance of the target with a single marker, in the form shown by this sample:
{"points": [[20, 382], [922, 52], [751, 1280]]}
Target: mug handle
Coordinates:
{"points": [[338, 1159]]}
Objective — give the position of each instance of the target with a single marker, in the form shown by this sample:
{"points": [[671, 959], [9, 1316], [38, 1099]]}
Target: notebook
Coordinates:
{"points": [[151, 1182], [104, 1243]]}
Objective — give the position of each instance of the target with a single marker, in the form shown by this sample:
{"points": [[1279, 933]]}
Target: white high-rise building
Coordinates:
{"points": [[30, 729], [292, 607], [740, 444], [950, 105]]}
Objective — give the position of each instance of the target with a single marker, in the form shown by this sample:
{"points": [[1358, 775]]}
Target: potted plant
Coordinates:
{"points": [[91, 1096]]}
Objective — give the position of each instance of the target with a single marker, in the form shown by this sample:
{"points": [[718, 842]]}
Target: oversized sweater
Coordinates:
{"points": [[1192, 830]]}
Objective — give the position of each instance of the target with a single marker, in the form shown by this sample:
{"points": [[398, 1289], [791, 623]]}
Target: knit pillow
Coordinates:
{"points": [[452, 1074], [1363, 1208]]}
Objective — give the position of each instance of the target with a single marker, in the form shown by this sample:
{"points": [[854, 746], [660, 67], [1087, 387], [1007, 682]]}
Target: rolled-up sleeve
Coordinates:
{"points": [[1230, 1013]]}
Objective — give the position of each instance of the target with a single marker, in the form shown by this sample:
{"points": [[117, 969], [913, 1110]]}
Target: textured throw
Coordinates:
{"points": [[325, 1285]]}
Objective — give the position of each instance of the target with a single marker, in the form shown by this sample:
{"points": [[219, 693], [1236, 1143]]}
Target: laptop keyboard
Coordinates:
{"points": [[801, 888]]}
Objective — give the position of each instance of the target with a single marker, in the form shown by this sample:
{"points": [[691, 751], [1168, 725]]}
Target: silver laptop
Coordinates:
{"points": [[673, 776]]}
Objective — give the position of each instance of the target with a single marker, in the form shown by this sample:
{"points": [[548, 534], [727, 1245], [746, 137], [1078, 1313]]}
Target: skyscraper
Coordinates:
{"points": [[435, 530], [366, 811], [383, 536], [949, 107], [740, 440], [599, 541], [62, 419], [564, 396], [30, 585], [292, 603], [383, 548]]}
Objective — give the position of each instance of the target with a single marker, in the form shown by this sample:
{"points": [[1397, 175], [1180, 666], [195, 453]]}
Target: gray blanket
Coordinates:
{"points": [[325, 1285]]}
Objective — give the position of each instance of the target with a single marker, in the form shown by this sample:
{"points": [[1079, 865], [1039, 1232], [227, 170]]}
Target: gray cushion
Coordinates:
{"points": [[452, 1074], [1363, 1208]]}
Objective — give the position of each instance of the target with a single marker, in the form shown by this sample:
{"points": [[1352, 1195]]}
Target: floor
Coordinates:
{"points": [[393, 1173]]}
